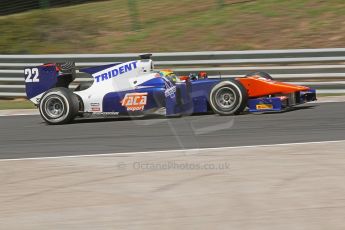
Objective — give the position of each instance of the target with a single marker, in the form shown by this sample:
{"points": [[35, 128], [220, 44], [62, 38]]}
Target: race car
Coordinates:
{"points": [[135, 88]]}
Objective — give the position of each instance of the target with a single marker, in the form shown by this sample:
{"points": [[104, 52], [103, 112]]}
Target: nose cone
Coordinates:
{"points": [[258, 87]]}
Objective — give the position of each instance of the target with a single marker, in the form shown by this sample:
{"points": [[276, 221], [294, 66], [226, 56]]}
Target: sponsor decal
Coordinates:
{"points": [[134, 101], [170, 92], [106, 114], [95, 107], [264, 106], [170, 88], [116, 71]]}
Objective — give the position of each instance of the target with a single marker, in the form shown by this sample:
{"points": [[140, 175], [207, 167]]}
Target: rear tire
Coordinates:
{"points": [[59, 106], [228, 98], [261, 74]]}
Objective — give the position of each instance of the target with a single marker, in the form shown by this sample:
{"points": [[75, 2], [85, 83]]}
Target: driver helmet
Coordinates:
{"points": [[169, 74]]}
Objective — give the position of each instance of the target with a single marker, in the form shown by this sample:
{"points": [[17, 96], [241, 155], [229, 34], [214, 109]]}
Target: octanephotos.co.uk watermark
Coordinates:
{"points": [[174, 165]]}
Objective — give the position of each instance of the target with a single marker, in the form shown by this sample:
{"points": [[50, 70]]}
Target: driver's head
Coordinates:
{"points": [[169, 74]]}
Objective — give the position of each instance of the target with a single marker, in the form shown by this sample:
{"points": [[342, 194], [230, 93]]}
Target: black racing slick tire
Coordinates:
{"points": [[59, 106], [228, 98], [261, 74]]}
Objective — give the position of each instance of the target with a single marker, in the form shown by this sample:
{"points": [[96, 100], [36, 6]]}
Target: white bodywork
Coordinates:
{"points": [[122, 77]]}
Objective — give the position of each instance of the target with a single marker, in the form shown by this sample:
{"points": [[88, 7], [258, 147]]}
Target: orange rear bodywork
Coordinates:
{"points": [[259, 87]]}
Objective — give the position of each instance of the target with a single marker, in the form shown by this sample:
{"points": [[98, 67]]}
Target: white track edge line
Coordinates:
{"points": [[19, 114], [172, 151]]}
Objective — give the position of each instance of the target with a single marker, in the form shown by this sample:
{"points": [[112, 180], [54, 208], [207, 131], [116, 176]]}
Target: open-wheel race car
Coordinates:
{"points": [[136, 88]]}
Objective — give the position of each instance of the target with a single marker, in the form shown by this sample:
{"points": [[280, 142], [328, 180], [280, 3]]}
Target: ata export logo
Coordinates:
{"points": [[134, 101]]}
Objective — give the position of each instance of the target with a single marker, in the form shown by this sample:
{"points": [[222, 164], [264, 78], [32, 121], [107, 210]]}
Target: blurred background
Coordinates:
{"points": [[117, 26]]}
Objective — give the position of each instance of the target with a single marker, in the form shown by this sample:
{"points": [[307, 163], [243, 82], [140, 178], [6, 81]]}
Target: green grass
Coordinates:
{"points": [[16, 104], [167, 25]]}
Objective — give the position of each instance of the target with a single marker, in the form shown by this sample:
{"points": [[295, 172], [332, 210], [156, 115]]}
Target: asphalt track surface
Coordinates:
{"points": [[29, 136]]}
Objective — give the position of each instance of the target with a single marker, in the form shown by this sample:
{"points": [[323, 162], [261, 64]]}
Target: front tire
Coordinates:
{"points": [[59, 106], [228, 98]]}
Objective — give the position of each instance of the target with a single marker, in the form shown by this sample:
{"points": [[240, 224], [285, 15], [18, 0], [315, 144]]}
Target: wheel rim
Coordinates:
{"points": [[225, 98], [54, 107]]}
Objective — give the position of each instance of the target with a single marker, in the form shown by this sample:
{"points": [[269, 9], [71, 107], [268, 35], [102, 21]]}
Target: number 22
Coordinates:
{"points": [[31, 75]]}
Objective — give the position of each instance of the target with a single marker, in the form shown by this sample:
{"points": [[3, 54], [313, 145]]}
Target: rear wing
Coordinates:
{"points": [[40, 79]]}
